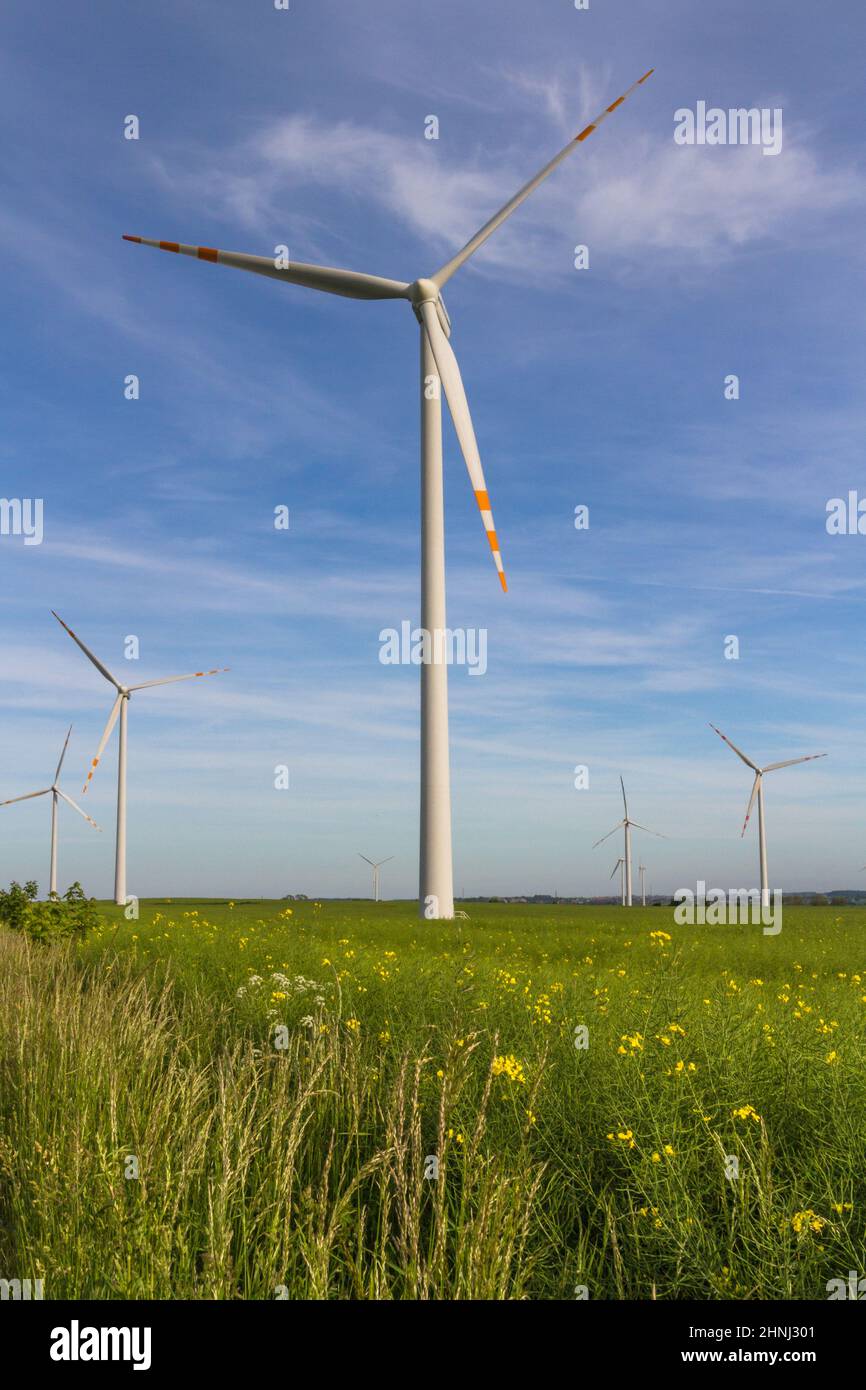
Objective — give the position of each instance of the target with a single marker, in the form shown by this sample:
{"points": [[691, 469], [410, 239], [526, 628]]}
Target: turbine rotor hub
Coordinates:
{"points": [[423, 292]]}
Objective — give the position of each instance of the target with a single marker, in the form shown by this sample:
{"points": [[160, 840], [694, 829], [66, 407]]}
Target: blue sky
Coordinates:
{"points": [[601, 387]]}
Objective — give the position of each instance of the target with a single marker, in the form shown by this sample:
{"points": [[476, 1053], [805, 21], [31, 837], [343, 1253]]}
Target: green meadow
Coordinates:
{"points": [[259, 1100]]}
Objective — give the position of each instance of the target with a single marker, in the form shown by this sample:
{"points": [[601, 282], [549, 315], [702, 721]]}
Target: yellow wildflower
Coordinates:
{"points": [[508, 1065], [746, 1112], [807, 1220]]}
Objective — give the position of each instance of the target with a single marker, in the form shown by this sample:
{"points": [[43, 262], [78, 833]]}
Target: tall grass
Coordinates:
{"points": [[288, 1082]]}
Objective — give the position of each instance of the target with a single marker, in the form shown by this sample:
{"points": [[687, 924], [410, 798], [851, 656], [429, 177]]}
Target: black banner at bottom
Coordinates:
{"points": [[81, 1339]]}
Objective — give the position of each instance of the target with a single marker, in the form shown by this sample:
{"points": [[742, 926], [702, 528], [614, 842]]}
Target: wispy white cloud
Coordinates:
{"points": [[629, 195]]}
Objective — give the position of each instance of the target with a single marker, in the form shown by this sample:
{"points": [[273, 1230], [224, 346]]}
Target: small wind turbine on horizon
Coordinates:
{"points": [[439, 372], [627, 825], [641, 868], [55, 791], [758, 791], [375, 867], [120, 708], [619, 865]]}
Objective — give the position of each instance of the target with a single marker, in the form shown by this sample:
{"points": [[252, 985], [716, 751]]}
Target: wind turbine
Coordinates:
{"points": [[56, 793], [375, 868], [641, 868], [626, 825], [120, 708], [439, 370], [758, 791], [618, 865]]}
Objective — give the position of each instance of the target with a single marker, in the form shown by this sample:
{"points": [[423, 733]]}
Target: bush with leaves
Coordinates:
{"points": [[15, 904], [71, 915]]}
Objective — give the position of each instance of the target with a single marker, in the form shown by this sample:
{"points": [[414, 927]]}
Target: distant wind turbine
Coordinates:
{"points": [[439, 372], [619, 865], [375, 868], [55, 791], [641, 868], [626, 824], [120, 707], [758, 791]]}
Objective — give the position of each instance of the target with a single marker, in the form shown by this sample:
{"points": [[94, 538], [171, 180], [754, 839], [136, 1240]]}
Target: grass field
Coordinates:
{"points": [[287, 1075]]}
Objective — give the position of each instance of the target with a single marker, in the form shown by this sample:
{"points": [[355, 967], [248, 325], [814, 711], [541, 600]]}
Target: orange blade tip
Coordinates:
{"points": [[503, 581], [131, 238]]}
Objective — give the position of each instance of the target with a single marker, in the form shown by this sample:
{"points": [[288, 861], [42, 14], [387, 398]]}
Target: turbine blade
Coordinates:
{"points": [[106, 735], [615, 867], [28, 797], [385, 861], [169, 680], [350, 284], [755, 785], [88, 653], [444, 274], [624, 802], [725, 738], [76, 807], [366, 860], [63, 754], [617, 827], [452, 384], [791, 762], [637, 826]]}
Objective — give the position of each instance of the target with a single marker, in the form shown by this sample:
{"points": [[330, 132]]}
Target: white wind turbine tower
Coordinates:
{"points": [[56, 793], [626, 825], [120, 708], [758, 791], [641, 868], [375, 867], [439, 370], [619, 865]]}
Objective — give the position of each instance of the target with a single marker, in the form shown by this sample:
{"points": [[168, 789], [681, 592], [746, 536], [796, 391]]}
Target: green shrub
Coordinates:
{"points": [[71, 915]]}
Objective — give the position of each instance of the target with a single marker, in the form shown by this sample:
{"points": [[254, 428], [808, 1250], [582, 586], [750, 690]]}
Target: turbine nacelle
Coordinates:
{"points": [[427, 292]]}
